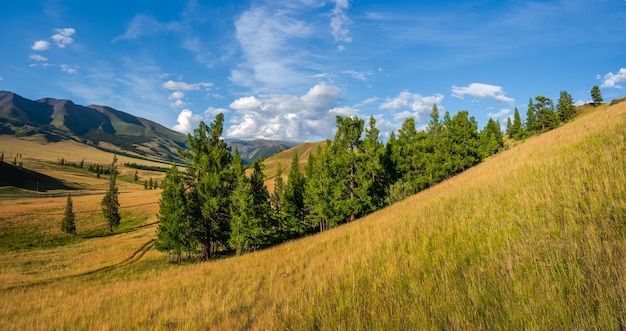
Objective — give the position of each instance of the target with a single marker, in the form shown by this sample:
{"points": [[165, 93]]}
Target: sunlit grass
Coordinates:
{"points": [[534, 238]]}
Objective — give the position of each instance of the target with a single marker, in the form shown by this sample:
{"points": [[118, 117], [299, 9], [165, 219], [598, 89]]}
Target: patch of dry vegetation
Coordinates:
{"points": [[533, 238]]}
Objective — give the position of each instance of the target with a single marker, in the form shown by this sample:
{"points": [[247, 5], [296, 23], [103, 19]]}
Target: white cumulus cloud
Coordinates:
{"points": [[186, 121], [310, 116], [502, 113], [482, 91], [418, 104], [246, 104], [611, 80], [63, 37], [40, 45]]}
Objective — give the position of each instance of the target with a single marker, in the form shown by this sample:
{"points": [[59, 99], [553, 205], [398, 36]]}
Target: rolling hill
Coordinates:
{"points": [[53, 120], [533, 238]]}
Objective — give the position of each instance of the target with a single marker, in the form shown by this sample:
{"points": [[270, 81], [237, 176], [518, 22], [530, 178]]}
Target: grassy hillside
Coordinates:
{"points": [[533, 238]]}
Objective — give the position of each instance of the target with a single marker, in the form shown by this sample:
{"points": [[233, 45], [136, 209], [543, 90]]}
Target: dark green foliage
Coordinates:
{"points": [[565, 107], [213, 183], [541, 116], [250, 208], [531, 117], [68, 224], [516, 129], [596, 96], [145, 167], [293, 202], [110, 203], [175, 219], [491, 139]]}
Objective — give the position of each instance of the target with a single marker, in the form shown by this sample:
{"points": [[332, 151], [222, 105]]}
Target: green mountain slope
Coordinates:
{"points": [[54, 120]]}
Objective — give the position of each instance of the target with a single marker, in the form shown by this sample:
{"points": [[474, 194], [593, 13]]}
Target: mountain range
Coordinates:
{"points": [[53, 120]]}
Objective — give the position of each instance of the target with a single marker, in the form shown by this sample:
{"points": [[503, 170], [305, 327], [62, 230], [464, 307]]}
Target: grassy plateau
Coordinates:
{"points": [[533, 238]]}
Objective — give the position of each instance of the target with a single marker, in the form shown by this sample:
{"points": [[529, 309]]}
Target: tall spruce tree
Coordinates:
{"points": [[531, 117], [517, 127], [596, 95], [276, 202], [374, 174], [246, 231], [110, 203], [320, 194], [491, 139], [565, 106], [213, 183], [546, 117], [68, 224], [293, 201], [174, 233], [348, 158]]}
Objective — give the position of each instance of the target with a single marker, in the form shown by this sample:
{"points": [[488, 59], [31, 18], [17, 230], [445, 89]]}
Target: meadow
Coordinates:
{"points": [[533, 238]]}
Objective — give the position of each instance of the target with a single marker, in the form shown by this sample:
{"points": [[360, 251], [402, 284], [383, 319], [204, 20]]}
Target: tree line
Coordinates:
{"points": [[214, 206]]}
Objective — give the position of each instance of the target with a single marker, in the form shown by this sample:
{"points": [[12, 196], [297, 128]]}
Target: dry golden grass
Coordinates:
{"points": [[534, 238]]}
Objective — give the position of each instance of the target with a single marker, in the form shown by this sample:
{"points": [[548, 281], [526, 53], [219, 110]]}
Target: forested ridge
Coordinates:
{"points": [[214, 206]]}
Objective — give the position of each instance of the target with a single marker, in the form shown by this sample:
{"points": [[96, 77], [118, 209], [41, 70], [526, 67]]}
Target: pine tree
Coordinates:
{"points": [[531, 117], [320, 190], [565, 106], [346, 148], [249, 209], [150, 184], [276, 200], [136, 176], [546, 118], [68, 224], [517, 127], [491, 139], [293, 201], [110, 203], [213, 183], [596, 96], [175, 222]]}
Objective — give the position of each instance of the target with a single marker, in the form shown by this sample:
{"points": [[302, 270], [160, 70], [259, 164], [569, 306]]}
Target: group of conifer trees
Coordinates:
{"points": [[214, 206]]}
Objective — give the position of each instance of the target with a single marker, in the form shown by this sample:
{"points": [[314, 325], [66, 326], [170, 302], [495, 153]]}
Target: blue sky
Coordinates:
{"points": [[285, 69]]}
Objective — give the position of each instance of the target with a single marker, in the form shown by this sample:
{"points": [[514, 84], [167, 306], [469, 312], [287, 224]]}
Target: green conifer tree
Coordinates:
{"points": [[596, 95], [175, 219], [68, 224], [565, 106], [110, 203]]}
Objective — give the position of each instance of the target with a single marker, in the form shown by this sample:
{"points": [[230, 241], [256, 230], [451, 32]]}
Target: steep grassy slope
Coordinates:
{"points": [[533, 238]]}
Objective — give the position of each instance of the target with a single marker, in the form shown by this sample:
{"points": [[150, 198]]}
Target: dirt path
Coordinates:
{"points": [[134, 258]]}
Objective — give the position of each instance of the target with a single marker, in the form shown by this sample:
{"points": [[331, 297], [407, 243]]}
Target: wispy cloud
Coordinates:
{"points": [[267, 38], [611, 80], [482, 91], [145, 25], [38, 58], [339, 21], [68, 69], [183, 86]]}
